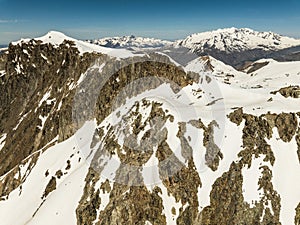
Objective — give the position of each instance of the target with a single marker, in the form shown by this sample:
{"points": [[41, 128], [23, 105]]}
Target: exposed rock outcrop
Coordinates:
{"points": [[291, 91]]}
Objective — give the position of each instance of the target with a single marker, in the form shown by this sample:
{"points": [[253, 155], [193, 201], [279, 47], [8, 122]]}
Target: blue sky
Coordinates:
{"points": [[164, 19]]}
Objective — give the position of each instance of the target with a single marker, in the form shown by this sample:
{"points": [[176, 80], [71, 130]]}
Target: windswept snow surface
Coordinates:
{"points": [[286, 172], [59, 206]]}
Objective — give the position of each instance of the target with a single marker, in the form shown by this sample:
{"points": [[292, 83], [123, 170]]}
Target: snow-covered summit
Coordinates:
{"points": [[131, 42], [234, 39], [52, 37], [56, 38]]}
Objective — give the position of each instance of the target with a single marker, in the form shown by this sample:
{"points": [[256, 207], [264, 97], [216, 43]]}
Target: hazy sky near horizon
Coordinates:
{"points": [[164, 19]]}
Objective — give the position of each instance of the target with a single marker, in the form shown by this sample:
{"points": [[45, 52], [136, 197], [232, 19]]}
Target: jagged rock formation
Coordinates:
{"points": [[291, 91], [297, 217], [36, 97]]}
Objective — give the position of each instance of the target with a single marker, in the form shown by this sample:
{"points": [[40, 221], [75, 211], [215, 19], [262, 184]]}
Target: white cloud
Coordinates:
{"points": [[9, 21]]}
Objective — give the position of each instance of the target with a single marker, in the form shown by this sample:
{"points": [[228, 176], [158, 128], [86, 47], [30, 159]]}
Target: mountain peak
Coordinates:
{"points": [[131, 41], [56, 34], [54, 37], [237, 39]]}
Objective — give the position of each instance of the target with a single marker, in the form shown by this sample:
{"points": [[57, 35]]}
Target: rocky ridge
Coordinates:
{"points": [[46, 101]]}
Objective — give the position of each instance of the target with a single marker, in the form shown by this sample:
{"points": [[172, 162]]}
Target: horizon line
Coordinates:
{"points": [[286, 34]]}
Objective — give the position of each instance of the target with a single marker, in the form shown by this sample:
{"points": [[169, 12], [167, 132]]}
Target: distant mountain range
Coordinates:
{"points": [[233, 46], [234, 39], [228, 40], [131, 42]]}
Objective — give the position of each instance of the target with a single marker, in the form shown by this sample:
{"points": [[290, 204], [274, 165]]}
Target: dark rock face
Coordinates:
{"points": [[34, 70], [159, 70], [3, 60], [87, 209], [287, 125], [298, 143], [137, 206], [128, 204], [256, 66], [297, 217], [240, 59], [256, 131], [213, 154], [235, 59], [130, 201], [291, 91], [285, 55], [50, 187], [227, 205]]}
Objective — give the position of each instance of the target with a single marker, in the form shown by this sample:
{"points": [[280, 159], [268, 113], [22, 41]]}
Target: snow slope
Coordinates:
{"points": [[58, 207], [270, 77], [273, 76]]}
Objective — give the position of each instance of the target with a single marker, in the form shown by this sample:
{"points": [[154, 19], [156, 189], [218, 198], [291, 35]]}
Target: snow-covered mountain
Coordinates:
{"points": [[234, 39], [238, 47], [228, 40], [232, 46], [56, 38], [97, 135], [131, 42]]}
